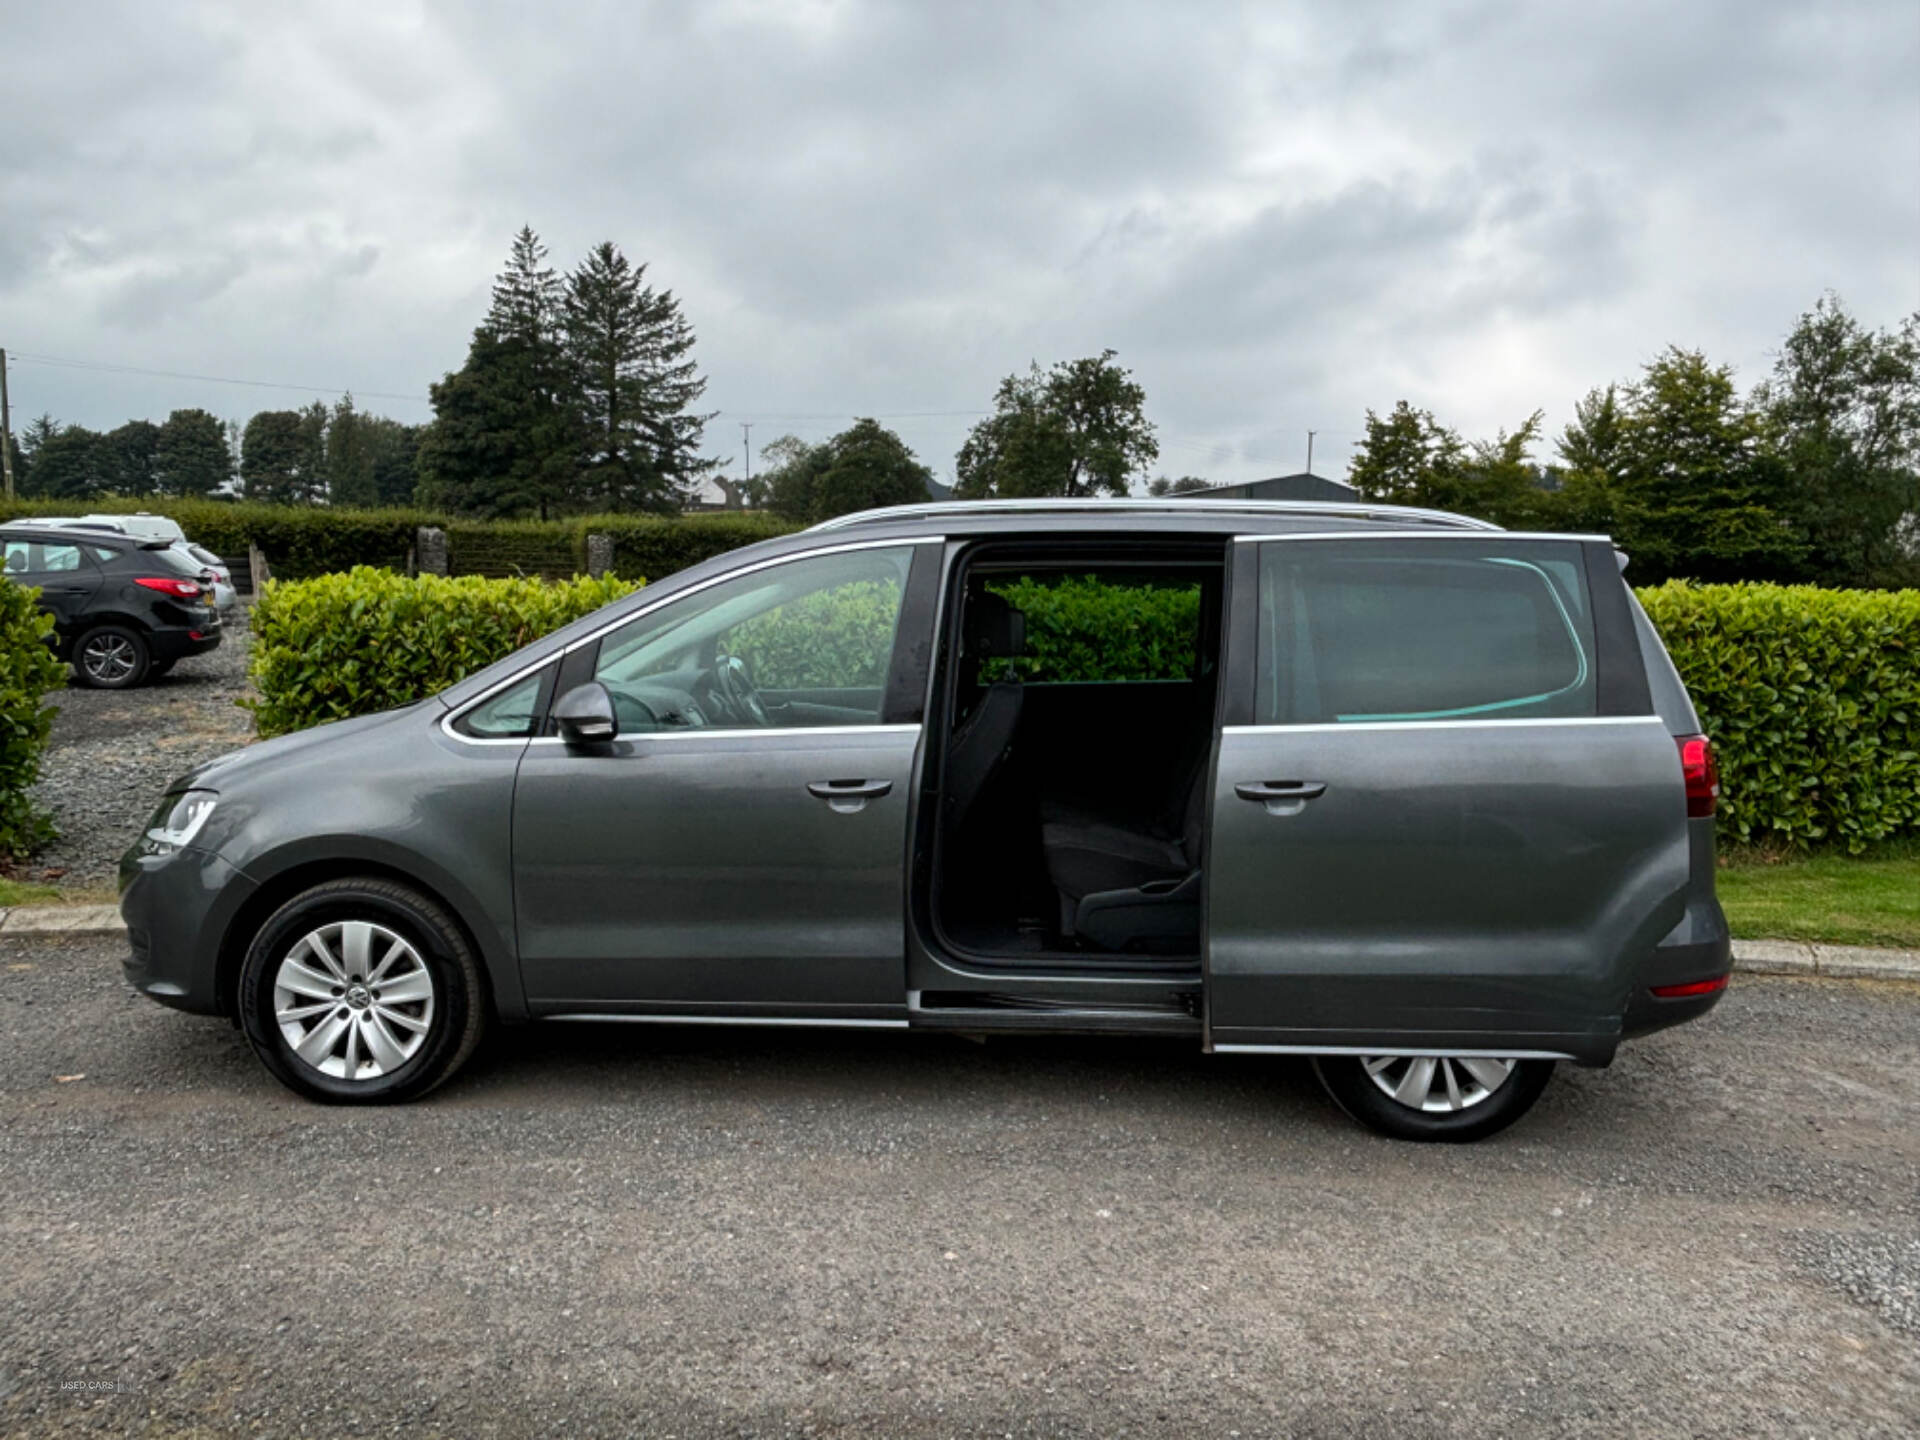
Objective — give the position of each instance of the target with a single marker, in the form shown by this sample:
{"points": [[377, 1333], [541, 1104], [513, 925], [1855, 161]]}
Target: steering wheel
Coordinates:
{"points": [[730, 678]]}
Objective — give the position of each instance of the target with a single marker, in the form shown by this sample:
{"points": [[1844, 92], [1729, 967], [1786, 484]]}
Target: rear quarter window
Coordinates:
{"points": [[1355, 632]]}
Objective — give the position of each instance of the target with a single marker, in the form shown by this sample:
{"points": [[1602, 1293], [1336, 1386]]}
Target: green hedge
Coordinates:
{"points": [[27, 672], [303, 541], [351, 644], [1812, 698], [1087, 629]]}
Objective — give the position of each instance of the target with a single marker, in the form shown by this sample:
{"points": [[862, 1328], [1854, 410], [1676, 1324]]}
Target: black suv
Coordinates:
{"points": [[123, 609]]}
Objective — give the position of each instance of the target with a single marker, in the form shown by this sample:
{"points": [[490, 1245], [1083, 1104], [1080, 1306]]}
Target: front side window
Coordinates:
{"points": [[1353, 631], [804, 643]]}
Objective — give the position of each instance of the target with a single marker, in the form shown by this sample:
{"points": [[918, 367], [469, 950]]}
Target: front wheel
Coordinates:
{"points": [[1433, 1097], [361, 991]]}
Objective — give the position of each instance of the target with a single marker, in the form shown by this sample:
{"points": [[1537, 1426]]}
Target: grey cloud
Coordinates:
{"points": [[1279, 217]]}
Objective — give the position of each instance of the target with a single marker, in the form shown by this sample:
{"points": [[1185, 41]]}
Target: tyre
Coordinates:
{"points": [[361, 991], [1453, 1097], [111, 657]]}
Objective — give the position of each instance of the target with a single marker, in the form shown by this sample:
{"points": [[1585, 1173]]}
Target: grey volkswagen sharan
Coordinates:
{"points": [[1412, 795]]}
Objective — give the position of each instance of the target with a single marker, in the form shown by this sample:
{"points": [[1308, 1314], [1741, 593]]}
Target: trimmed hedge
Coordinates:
{"points": [[303, 541], [1087, 629], [1812, 698], [368, 640], [27, 672]]}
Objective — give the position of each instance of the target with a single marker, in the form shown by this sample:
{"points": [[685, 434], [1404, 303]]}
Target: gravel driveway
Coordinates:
{"points": [[626, 1230], [113, 752]]}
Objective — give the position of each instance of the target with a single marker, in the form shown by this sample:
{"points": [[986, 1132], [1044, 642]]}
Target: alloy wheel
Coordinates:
{"points": [[108, 659], [1437, 1084], [353, 1000]]}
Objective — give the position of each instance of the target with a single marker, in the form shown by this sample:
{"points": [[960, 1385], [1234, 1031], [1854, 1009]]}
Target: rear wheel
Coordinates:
{"points": [[1434, 1097], [111, 657], [361, 992]]}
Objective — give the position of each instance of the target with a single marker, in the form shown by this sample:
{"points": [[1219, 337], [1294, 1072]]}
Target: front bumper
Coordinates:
{"points": [[178, 909]]}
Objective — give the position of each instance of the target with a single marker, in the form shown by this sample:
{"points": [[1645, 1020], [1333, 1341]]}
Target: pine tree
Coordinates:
{"points": [[629, 352], [504, 437], [349, 459]]}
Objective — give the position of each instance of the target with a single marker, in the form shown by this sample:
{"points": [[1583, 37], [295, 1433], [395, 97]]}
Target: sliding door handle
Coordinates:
{"points": [[1280, 789], [847, 796]]}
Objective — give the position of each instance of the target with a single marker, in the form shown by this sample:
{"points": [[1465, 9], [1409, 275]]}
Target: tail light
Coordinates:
{"points": [[1692, 989], [181, 589], [1702, 775]]}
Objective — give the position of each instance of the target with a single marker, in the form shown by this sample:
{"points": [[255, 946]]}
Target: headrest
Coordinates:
{"points": [[994, 629]]}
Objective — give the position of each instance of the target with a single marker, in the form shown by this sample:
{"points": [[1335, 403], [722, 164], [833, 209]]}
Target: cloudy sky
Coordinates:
{"points": [[1279, 215]]}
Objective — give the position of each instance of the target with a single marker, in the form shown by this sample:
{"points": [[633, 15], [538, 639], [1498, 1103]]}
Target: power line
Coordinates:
{"points": [[112, 368]]}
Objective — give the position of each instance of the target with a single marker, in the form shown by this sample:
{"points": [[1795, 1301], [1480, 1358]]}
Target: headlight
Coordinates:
{"points": [[177, 820]]}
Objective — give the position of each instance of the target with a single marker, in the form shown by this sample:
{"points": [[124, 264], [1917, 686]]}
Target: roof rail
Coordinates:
{"points": [[1172, 505]]}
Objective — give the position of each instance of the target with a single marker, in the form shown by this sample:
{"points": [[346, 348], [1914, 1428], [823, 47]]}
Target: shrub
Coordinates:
{"points": [[842, 636], [655, 547], [27, 672], [345, 645], [1085, 628], [1812, 698], [302, 541], [553, 549]]}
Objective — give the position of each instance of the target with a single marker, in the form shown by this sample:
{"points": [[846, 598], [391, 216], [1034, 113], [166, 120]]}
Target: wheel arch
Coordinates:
{"points": [[503, 999]]}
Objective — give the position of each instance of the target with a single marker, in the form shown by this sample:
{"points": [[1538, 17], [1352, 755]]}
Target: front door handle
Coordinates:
{"points": [[845, 797], [1281, 797]]}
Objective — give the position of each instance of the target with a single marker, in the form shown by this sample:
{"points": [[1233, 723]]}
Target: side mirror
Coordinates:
{"points": [[585, 715]]}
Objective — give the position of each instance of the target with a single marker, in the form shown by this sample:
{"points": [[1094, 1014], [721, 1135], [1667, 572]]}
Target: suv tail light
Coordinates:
{"points": [[184, 589], [1702, 775]]}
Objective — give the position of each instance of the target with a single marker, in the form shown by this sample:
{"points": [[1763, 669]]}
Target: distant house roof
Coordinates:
{"points": [[1282, 487]]}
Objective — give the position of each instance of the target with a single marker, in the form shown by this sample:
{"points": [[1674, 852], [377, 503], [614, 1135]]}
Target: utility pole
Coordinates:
{"points": [[6, 428], [746, 448], [1310, 435]]}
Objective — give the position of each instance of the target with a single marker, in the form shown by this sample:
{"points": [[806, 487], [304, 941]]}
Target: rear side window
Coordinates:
{"points": [[1353, 631]]}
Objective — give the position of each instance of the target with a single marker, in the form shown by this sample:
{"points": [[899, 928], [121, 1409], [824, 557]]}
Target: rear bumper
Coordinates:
{"points": [[178, 644], [1698, 949]]}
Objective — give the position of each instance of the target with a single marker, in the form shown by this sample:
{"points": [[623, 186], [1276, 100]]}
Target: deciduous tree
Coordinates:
{"points": [[191, 456], [1077, 429]]}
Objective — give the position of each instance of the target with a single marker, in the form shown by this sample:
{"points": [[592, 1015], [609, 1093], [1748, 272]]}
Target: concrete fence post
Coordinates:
{"points": [[431, 545], [257, 574], [599, 555]]}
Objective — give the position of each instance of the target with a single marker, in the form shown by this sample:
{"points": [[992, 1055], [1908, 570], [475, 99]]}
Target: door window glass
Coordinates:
{"points": [[1373, 630], [37, 558], [805, 643]]}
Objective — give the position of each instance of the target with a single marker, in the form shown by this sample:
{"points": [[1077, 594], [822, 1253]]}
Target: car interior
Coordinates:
{"points": [[1074, 782]]}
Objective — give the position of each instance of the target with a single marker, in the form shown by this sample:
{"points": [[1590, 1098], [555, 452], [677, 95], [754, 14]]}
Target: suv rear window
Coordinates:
{"points": [[175, 560], [1423, 630]]}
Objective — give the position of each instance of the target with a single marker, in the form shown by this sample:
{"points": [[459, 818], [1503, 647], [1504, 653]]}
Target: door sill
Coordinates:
{"points": [[972, 1011]]}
